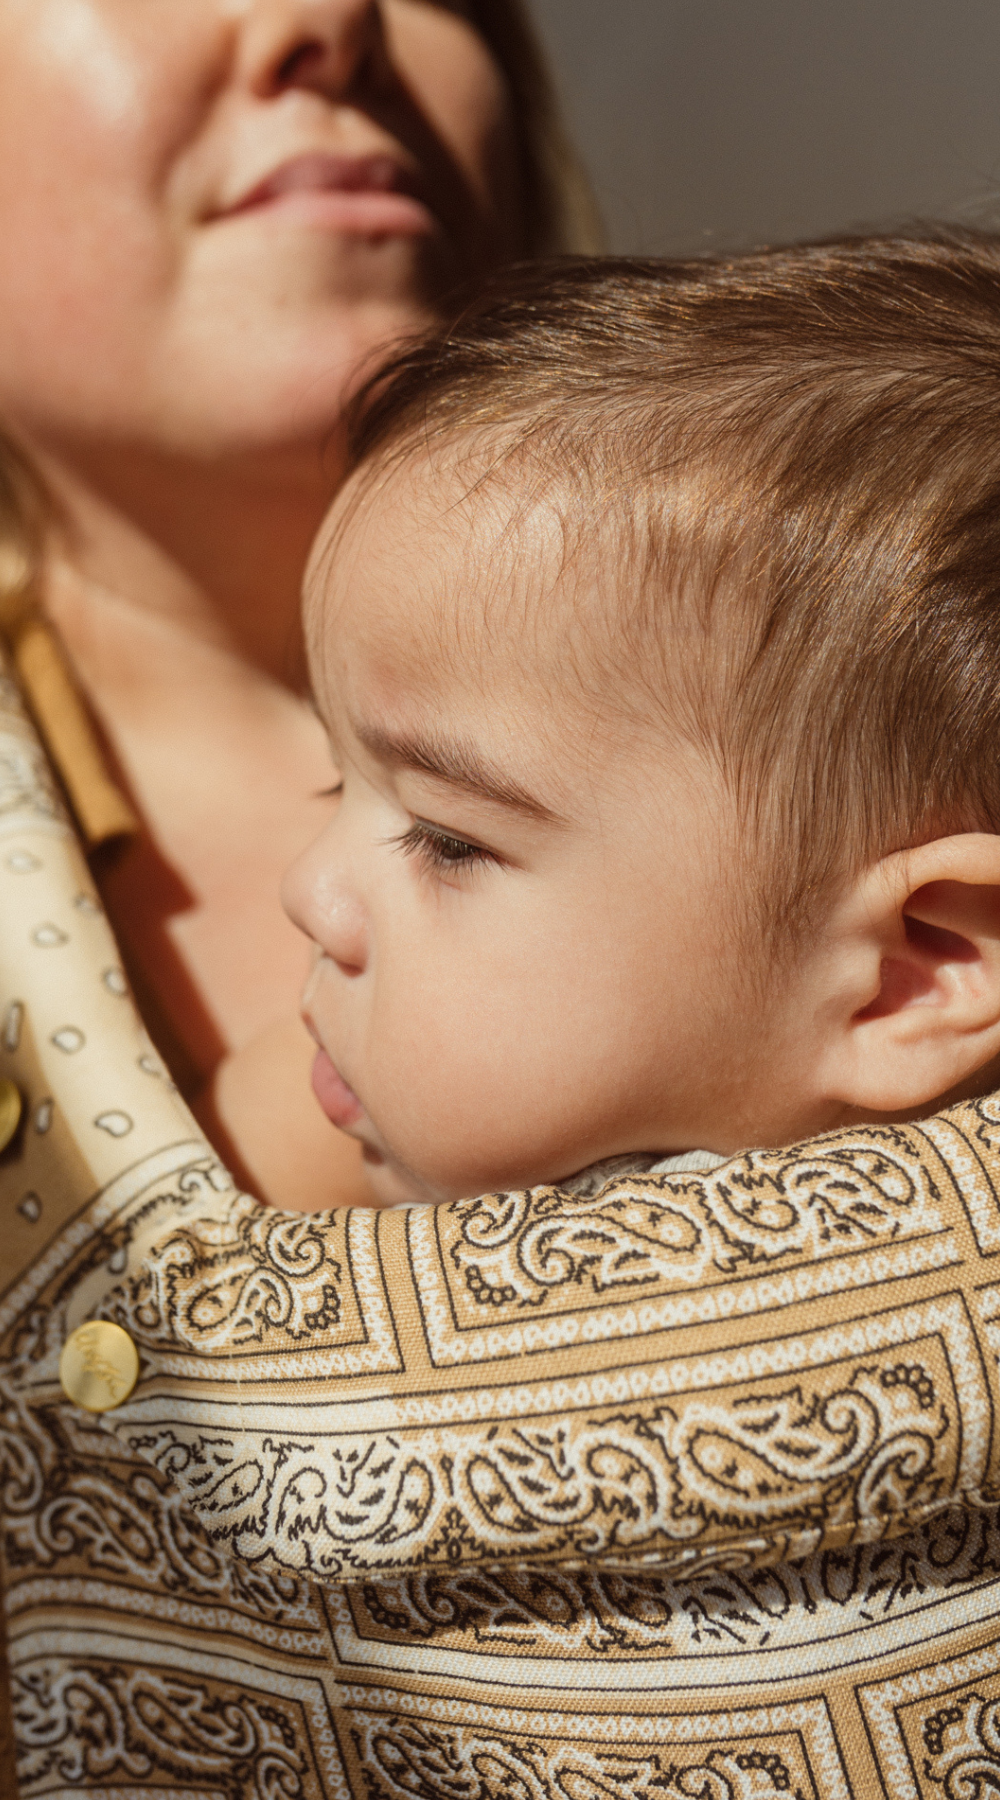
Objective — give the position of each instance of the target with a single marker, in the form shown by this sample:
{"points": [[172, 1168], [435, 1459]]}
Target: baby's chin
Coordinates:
{"points": [[393, 1185], [390, 1185]]}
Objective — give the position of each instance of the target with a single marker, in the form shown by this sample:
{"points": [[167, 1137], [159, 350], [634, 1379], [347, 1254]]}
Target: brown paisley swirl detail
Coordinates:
{"points": [[401, 1757], [250, 1276], [644, 1230], [963, 1748], [605, 1483], [156, 1728]]}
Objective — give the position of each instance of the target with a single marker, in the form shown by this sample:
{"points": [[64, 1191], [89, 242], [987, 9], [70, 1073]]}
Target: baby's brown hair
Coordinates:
{"points": [[801, 447]]}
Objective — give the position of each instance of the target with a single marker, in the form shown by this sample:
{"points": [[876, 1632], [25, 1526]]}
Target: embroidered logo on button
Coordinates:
{"points": [[99, 1366]]}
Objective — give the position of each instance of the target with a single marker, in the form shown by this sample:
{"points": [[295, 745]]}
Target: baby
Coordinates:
{"points": [[657, 632]]}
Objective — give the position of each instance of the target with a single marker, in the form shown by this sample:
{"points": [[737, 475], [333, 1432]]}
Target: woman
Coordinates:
{"points": [[310, 1552], [221, 208]]}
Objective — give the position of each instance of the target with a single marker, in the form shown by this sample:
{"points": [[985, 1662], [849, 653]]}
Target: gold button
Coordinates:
{"points": [[99, 1366], [11, 1108]]}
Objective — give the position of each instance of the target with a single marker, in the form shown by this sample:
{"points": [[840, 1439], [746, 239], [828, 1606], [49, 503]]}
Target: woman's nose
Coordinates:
{"points": [[322, 45], [319, 898]]}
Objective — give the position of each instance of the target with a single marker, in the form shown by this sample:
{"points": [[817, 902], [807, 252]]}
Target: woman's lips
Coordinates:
{"points": [[340, 1105], [369, 195]]}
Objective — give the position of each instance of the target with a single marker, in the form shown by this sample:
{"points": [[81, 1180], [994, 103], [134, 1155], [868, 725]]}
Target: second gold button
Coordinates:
{"points": [[99, 1366], [11, 1107]]}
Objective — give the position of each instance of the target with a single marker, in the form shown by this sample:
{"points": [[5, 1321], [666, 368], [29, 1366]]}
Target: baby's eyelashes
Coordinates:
{"points": [[439, 850]]}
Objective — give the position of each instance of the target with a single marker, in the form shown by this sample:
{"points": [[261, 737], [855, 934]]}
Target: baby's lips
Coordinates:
{"points": [[340, 1105]]}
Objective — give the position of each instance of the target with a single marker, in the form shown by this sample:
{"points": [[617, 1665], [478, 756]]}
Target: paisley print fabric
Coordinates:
{"points": [[666, 1483]]}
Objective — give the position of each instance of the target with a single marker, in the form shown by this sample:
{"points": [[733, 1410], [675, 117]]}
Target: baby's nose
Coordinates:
{"points": [[320, 900], [345, 933]]}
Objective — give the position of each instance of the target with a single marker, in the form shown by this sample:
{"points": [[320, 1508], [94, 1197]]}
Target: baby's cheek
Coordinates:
{"points": [[450, 1118], [475, 1118], [487, 1062], [450, 1115]]}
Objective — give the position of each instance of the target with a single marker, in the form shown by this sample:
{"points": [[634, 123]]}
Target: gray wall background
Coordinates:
{"points": [[718, 123]]}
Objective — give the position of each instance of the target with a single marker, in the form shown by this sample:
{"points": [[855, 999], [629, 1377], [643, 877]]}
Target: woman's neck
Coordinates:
{"points": [[202, 556]]}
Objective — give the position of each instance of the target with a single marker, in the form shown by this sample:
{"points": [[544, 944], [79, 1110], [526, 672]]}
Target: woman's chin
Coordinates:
{"points": [[264, 287], [279, 415]]}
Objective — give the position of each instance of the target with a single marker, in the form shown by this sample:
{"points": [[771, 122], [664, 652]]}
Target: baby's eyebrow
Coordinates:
{"points": [[457, 763]]}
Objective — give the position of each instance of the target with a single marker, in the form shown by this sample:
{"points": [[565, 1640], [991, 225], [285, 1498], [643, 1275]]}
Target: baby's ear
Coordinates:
{"points": [[916, 963]]}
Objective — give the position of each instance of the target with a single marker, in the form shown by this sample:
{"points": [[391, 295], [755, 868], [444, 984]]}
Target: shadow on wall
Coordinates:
{"points": [[712, 123]]}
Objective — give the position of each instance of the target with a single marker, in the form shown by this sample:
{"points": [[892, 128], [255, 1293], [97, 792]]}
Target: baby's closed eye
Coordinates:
{"points": [[439, 849]]}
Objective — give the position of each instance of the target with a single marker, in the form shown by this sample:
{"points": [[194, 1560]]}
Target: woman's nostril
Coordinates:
{"points": [[301, 62]]}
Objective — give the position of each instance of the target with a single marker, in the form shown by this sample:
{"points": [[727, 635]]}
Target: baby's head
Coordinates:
{"points": [[657, 631]]}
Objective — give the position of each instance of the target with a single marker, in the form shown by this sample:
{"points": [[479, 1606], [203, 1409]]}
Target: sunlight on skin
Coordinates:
{"points": [[223, 209], [525, 907]]}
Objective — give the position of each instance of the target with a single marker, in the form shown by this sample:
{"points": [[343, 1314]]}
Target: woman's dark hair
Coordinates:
{"points": [[560, 213]]}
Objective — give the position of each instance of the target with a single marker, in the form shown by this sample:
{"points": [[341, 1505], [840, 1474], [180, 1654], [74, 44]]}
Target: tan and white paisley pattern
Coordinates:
{"points": [[664, 1483]]}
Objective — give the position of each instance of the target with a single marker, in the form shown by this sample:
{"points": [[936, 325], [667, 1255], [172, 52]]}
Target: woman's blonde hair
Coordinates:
{"points": [[560, 210]]}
